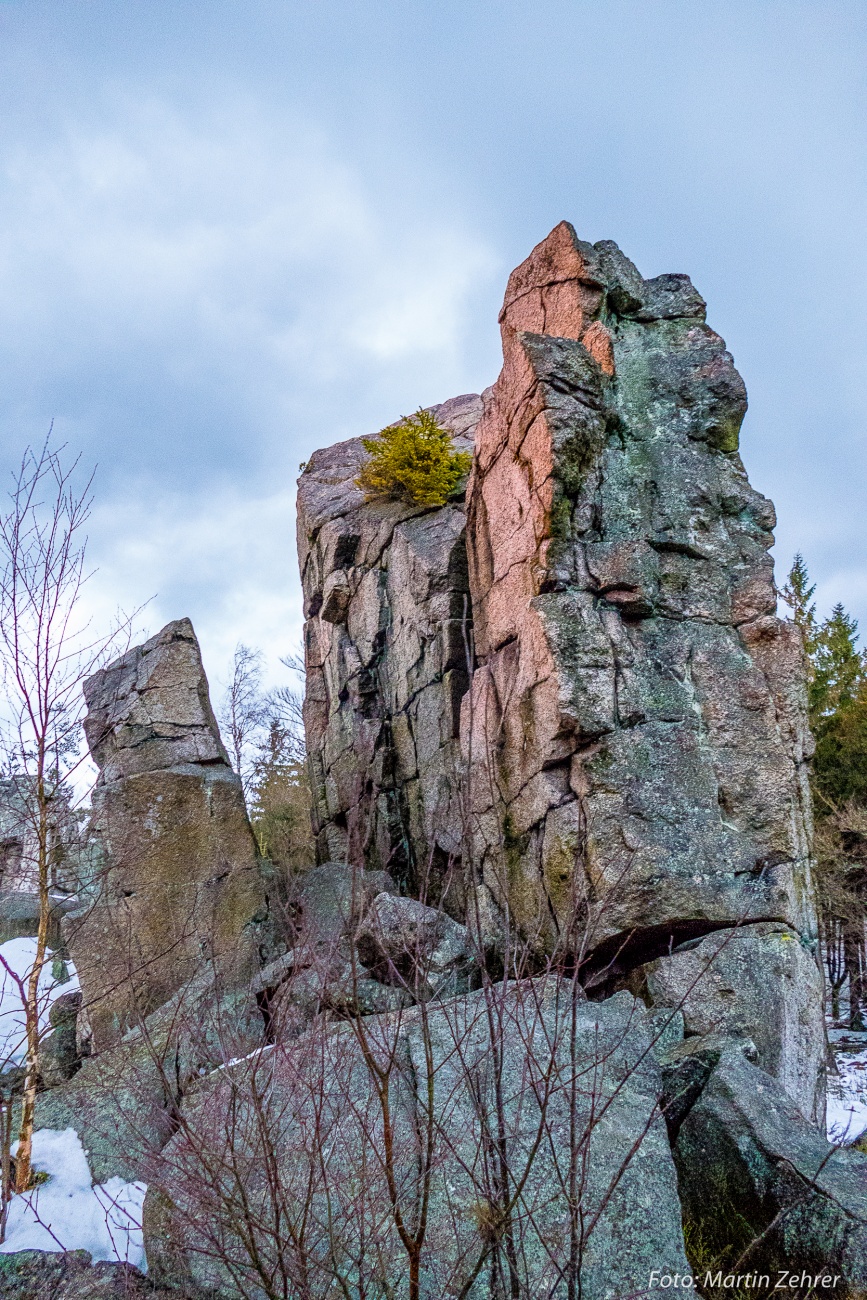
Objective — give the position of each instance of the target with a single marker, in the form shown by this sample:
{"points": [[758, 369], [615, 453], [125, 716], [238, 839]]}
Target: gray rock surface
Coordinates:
{"points": [[634, 739], [760, 982], [579, 1075], [406, 943], [175, 878], [123, 1102], [334, 896], [19, 914], [750, 1166], [317, 985], [647, 704], [386, 600], [71, 1275], [151, 709], [59, 1055]]}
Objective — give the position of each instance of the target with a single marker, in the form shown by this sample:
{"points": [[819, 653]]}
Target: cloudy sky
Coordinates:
{"points": [[232, 232]]}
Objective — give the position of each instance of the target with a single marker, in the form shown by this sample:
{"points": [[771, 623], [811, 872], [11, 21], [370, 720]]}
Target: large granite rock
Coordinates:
{"points": [[516, 1094], [420, 948], [386, 600], [123, 1102], [636, 731], [71, 1275], [175, 879], [760, 1183], [758, 981]]}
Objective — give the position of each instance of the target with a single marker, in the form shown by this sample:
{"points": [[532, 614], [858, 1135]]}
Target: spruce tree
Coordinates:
{"points": [[798, 594], [838, 713]]}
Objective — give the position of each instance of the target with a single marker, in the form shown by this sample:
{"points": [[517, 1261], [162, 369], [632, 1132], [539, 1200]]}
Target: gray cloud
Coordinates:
{"points": [[229, 234]]}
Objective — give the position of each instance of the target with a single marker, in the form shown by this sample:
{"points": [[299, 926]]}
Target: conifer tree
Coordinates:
{"points": [[838, 713], [837, 693], [798, 594]]}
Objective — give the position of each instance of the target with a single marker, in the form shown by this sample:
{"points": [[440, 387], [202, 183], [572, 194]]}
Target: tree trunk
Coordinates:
{"points": [[24, 1154], [856, 974]]}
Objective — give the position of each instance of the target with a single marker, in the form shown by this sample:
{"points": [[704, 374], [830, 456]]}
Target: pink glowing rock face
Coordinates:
{"points": [[634, 733]]}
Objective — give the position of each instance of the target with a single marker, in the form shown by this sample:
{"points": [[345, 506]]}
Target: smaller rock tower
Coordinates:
{"points": [[175, 881]]}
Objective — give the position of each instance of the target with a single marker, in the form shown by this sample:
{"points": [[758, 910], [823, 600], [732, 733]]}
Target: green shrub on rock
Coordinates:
{"points": [[414, 460]]}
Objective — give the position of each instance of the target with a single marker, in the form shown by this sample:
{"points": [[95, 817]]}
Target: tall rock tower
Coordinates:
{"points": [[636, 731], [176, 883], [620, 772]]}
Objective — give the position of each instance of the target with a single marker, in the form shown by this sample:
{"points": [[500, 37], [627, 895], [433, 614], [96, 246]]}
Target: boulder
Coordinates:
{"points": [[174, 878], [19, 914], [150, 710], [320, 984], [387, 638], [325, 971], [333, 897], [59, 1054], [123, 1102], [759, 981], [571, 1088], [420, 948], [756, 1177], [71, 1275]]}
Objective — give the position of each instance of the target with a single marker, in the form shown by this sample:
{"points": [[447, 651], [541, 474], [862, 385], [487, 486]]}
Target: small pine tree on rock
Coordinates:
{"points": [[414, 460]]}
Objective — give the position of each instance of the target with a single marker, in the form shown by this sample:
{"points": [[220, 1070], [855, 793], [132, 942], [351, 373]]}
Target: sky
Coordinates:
{"points": [[231, 233]]}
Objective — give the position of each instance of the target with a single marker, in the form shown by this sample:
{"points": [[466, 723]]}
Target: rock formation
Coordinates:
{"points": [[320, 1098], [635, 739], [751, 1169], [552, 992], [175, 882], [386, 599], [636, 730]]}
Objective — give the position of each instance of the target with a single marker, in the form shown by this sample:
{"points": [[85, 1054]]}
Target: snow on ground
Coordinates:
{"points": [[67, 1213], [19, 955], [847, 1091]]}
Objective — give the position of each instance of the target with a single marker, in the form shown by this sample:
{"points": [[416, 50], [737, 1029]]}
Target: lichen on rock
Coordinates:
{"points": [[175, 880], [636, 722]]}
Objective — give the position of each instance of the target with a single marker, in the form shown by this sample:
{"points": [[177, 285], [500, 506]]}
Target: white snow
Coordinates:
{"points": [[239, 1060], [67, 1213], [20, 954], [847, 1091]]}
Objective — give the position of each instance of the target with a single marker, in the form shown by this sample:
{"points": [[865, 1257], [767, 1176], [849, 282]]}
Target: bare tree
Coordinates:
{"points": [[265, 734], [841, 887], [242, 712], [47, 648]]}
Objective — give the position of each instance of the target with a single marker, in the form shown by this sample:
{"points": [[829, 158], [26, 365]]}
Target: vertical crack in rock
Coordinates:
{"points": [[634, 742]]}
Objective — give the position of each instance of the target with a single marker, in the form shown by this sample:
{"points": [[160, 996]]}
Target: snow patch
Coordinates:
{"points": [[68, 1213], [847, 1091], [19, 955]]}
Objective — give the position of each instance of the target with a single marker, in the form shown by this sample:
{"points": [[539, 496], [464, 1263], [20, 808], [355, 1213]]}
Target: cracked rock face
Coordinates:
{"points": [[443, 1060], [386, 599], [175, 877], [151, 709], [636, 730], [634, 743]]}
